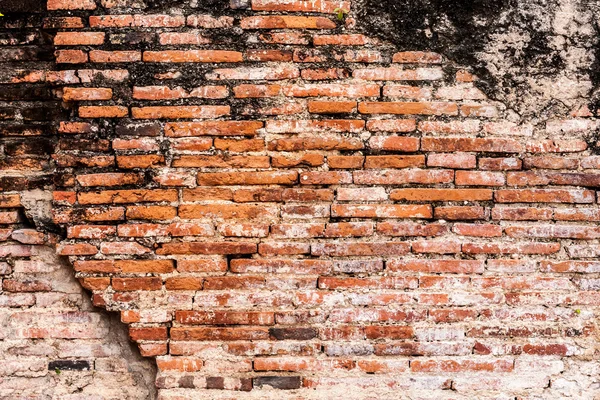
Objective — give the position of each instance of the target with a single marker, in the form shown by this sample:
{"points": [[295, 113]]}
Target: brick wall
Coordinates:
{"points": [[281, 206], [53, 343]]}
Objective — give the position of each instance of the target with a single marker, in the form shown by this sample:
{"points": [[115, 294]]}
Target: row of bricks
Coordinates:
{"points": [[310, 297], [461, 161], [388, 163], [194, 283], [195, 37], [371, 177], [254, 128], [298, 333], [278, 194], [321, 6], [316, 266], [198, 37], [193, 364], [420, 328], [307, 231], [214, 111], [251, 128], [70, 77], [329, 142], [246, 226], [248, 214], [256, 55], [347, 90], [298, 212]]}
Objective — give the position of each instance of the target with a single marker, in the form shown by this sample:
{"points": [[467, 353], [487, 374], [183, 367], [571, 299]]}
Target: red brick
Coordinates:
{"points": [[135, 284], [448, 145], [456, 160], [320, 143], [124, 56], [461, 366], [345, 162], [398, 177], [331, 107], [481, 230], [394, 143], [247, 178], [455, 213], [177, 112], [213, 128], [90, 231], [144, 266], [408, 108], [437, 266], [157, 333], [268, 55], [359, 249], [167, 93], [522, 213], [219, 334], [192, 56], [401, 74], [179, 38], [341, 40], [184, 283], [71, 5], [124, 196], [500, 164], [320, 6], [209, 22], [388, 282], [179, 364], [71, 56], [478, 178], [417, 57], [407, 92], [286, 22], [382, 162], [103, 111], [82, 94], [282, 266], [260, 73], [544, 196], [511, 248], [410, 229], [206, 248], [381, 211], [78, 38], [307, 159]]}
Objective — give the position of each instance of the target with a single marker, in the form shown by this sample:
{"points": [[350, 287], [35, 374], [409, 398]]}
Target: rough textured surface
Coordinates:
{"points": [[284, 204], [537, 56]]}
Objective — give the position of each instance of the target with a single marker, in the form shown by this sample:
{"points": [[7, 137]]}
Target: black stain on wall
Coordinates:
{"points": [[519, 33], [22, 6]]}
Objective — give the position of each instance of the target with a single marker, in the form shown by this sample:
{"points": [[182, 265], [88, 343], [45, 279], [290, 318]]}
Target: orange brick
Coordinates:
{"points": [[247, 178], [71, 5], [84, 94], [319, 6], [124, 56], [286, 22], [103, 112], [331, 107], [134, 284], [192, 56], [176, 112], [71, 57], [78, 38], [151, 212]]}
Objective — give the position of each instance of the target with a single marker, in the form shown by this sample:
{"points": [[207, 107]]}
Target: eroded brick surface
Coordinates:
{"points": [[280, 206]]}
